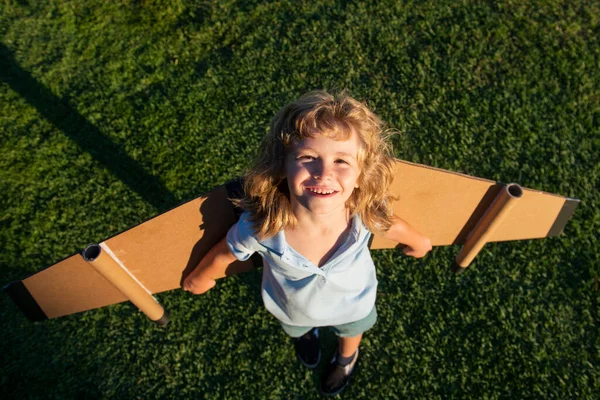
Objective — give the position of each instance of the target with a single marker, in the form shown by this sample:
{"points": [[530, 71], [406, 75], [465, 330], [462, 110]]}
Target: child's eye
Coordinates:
{"points": [[305, 157], [340, 161]]}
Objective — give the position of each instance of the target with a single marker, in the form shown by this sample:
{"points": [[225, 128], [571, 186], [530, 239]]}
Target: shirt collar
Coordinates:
{"points": [[278, 244], [356, 228]]}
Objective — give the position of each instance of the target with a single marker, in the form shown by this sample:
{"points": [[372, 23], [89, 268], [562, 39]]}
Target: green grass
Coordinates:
{"points": [[111, 112]]}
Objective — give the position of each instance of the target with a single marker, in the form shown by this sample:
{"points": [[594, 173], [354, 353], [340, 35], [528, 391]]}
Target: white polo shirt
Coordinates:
{"points": [[299, 293]]}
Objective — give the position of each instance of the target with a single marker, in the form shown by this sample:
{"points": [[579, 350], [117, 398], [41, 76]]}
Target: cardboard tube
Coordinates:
{"points": [[490, 220], [115, 273]]}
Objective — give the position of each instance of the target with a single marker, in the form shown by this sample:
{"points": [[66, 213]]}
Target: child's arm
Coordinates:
{"points": [[417, 245], [212, 266]]}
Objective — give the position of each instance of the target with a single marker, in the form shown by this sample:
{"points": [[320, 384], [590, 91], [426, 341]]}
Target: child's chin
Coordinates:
{"points": [[325, 209]]}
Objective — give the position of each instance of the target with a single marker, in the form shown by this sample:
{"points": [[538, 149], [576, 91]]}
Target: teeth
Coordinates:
{"points": [[321, 191]]}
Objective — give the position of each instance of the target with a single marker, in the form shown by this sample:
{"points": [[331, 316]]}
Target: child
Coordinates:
{"points": [[316, 192]]}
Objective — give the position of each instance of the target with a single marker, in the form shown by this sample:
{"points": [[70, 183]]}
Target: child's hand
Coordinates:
{"points": [[418, 250], [416, 244], [198, 283], [212, 266]]}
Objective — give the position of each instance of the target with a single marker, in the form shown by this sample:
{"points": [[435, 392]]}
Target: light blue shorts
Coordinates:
{"points": [[345, 330]]}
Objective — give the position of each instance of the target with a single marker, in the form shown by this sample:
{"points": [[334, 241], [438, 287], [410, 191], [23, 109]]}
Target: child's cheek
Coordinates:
{"points": [[350, 176]]}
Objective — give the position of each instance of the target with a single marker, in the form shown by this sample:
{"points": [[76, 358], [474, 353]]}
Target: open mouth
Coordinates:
{"points": [[321, 192]]}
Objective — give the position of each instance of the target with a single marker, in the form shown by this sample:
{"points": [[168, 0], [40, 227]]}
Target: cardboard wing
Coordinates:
{"points": [[452, 208], [153, 257], [149, 258]]}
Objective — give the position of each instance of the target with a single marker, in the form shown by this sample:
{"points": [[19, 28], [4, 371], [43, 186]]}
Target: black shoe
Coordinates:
{"points": [[336, 377], [308, 348]]}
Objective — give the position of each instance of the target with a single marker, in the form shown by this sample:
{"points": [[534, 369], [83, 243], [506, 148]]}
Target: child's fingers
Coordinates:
{"points": [[187, 283], [198, 285], [409, 251]]}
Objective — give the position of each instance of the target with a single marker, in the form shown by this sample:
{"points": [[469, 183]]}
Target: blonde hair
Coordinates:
{"points": [[336, 117]]}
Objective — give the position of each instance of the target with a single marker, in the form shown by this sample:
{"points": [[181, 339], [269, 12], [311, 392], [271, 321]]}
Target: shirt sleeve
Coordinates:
{"points": [[241, 240]]}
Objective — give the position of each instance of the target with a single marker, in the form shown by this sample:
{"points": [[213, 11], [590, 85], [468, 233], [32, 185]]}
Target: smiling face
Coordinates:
{"points": [[322, 173]]}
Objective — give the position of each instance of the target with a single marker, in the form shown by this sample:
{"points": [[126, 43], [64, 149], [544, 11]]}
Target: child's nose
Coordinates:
{"points": [[323, 171]]}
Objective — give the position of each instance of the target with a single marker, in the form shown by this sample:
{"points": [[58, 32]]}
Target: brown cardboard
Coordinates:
{"points": [[71, 286], [445, 206], [158, 252]]}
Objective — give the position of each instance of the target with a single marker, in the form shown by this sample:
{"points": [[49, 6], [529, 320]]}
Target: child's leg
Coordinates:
{"points": [[348, 345], [338, 372]]}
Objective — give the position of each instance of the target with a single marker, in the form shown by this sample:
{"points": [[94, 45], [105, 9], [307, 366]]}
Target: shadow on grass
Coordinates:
{"points": [[89, 138]]}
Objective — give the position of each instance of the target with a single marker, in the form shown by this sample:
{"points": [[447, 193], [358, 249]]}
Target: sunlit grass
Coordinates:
{"points": [[179, 94]]}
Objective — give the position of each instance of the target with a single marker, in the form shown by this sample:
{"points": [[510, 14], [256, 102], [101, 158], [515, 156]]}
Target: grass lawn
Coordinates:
{"points": [[111, 112]]}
